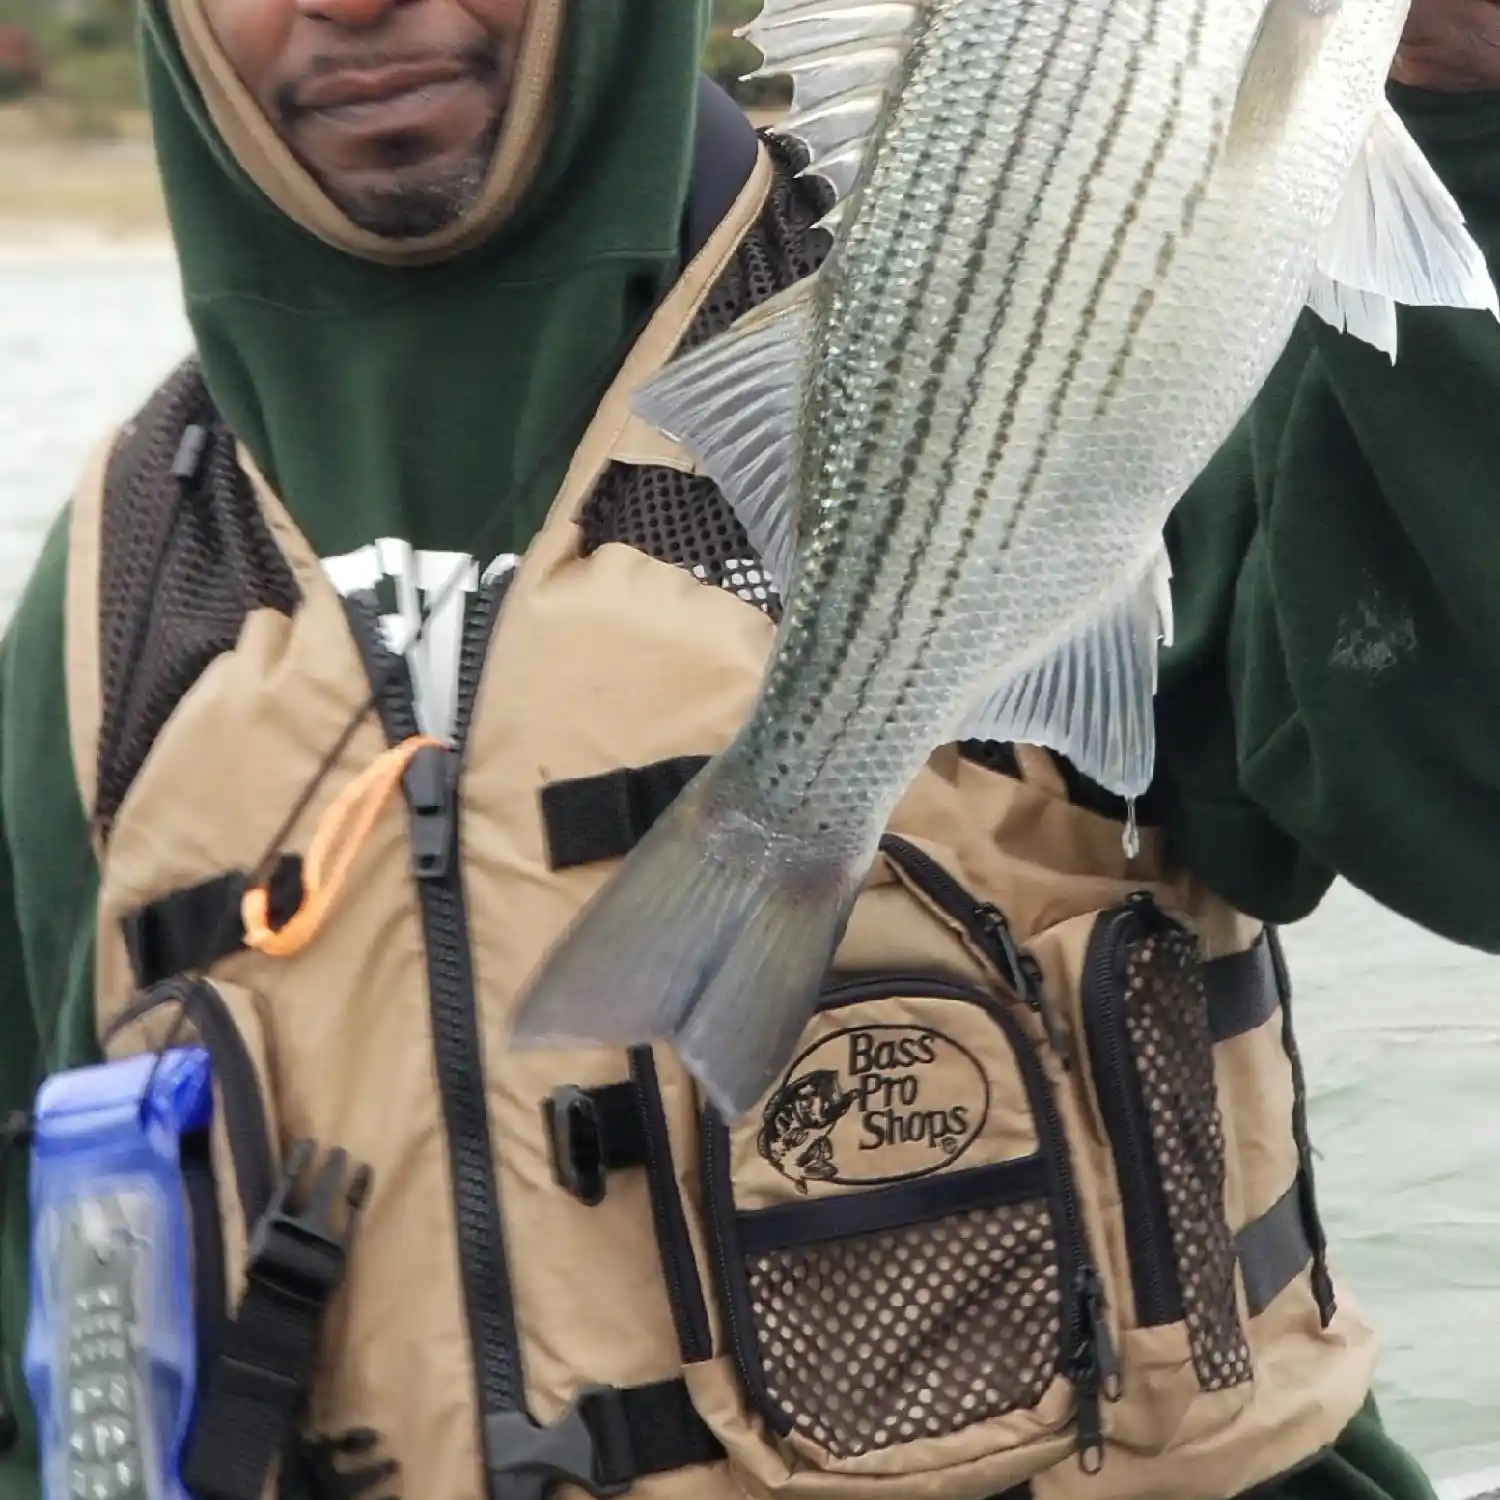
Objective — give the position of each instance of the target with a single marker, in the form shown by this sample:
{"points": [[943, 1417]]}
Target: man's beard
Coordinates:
{"points": [[413, 210]]}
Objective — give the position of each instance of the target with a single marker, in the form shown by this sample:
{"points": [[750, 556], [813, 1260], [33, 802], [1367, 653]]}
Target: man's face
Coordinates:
{"points": [[393, 106]]}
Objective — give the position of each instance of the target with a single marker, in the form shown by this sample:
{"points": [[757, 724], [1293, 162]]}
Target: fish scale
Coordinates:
{"points": [[1070, 242]]}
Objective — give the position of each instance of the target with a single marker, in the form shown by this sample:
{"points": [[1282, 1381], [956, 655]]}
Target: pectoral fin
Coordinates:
{"points": [[733, 405], [1398, 237]]}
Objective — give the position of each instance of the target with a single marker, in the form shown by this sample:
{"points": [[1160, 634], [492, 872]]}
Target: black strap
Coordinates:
{"points": [[1242, 992], [724, 152], [1307, 1192], [594, 1132], [1273, 1250], [257, 1388], [595, 818], [664, 1431], [606, 1440], [190, 930]]}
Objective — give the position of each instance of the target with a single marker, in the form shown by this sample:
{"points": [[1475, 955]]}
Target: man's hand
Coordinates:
{"points": [[1451, 45]]}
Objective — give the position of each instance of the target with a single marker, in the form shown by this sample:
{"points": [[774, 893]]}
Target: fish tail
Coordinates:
{"points": [[713, 936]]}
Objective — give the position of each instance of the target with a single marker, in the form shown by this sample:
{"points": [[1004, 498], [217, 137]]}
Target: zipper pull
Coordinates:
{"points": [[1095, 1370], [1093, 1301], [1148, 909], [1025, 975], [431, 797]]}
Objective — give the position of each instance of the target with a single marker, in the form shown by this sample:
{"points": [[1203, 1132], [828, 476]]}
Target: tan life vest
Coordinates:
{"points": [[1028, 1208]]}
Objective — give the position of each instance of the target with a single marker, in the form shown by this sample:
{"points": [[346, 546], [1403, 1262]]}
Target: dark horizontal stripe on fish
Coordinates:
{"points": [[880, 552], [938, 372], [1048, 297], [909, 211], [974, 518]]}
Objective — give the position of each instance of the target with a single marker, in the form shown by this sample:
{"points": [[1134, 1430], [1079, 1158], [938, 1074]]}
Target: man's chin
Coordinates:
{"points": [[411, 202]]}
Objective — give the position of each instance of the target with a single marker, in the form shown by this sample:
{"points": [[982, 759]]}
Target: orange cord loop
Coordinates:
{"points": [[343, 831]]}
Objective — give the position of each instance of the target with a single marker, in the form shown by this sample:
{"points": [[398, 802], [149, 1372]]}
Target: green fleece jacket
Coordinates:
{"points": [[1330, 707]]}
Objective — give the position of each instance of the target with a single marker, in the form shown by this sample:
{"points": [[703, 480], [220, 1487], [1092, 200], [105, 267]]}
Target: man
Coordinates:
{"points": [[419, 239]]}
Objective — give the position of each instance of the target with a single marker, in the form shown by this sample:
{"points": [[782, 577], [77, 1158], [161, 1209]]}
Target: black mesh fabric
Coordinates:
{"points": [[917, 1332], [1166, 1016], [682, 518], [183, 563]]}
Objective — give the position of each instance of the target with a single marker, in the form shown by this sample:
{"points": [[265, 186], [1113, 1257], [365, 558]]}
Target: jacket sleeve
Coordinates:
{"points": [[1332, 705], [48, 884]]}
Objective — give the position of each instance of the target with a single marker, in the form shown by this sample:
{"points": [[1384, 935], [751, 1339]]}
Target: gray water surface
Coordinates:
{"points": [[1401, 1031]]}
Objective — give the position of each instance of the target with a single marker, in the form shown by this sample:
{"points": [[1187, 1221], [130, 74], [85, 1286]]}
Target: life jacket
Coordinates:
{"points": [[1031, 1211]]}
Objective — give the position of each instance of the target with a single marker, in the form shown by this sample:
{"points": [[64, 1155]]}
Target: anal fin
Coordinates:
{"points": [[1092, 699]]}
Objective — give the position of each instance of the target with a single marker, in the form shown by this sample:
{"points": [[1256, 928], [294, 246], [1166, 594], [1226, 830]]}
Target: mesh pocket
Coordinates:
{"points": [[911, 1333], [1166, 1019]]}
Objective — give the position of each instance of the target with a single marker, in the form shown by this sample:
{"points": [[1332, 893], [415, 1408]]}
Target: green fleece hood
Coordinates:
{"points": [[431, 391]]}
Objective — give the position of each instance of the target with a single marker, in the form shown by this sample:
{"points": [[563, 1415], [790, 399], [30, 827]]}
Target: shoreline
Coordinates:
{"points": [[37, 240]]}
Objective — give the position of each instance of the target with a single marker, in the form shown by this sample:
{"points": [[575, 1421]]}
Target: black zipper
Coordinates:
{"points": [[245, 1124], [737, 1316], [1122, 1103], [987, 924], [679, 1268], [1093, 1365], [432, 782]]}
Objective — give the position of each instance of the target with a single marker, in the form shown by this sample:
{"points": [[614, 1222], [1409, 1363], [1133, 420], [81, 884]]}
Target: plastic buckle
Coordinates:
{"points": [[577, 1133], [529, 1461], [303, 1253]]}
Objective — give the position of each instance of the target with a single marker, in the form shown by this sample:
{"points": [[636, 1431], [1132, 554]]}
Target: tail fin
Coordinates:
{"points": [[714, 935]]}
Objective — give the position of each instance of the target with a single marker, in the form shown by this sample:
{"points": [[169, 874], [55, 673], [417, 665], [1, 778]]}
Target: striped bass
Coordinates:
{"points": [[1071, 239]]}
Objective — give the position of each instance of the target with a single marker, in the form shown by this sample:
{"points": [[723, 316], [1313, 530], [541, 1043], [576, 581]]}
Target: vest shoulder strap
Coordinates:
{"points": [[724, 153], [185, 555]]}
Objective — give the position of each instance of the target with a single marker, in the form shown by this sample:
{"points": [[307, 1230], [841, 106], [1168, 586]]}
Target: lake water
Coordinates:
{"points": [[1401, 1031]]}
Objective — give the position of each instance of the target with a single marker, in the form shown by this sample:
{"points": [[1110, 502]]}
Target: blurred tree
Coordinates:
{"points": [[20, 64]]}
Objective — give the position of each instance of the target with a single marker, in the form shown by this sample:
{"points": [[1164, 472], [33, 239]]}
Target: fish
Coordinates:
{"points": [[798, 1120], [1069, 242]]}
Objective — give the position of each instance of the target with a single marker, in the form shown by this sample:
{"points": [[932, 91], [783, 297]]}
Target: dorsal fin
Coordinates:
{"points": [[843, 57]]}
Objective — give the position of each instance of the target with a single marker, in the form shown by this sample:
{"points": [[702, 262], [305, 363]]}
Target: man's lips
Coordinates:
{"points": [[347, 88]]}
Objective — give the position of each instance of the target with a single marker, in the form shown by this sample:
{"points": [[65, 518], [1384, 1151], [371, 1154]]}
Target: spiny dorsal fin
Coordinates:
{"points": [[843, 57]]}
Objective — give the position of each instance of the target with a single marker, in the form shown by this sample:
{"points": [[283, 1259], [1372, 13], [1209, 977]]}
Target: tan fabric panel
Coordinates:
{"points": [[1040, 1440], [283, 179], [347, 1047], [1255, 1081], [1309, 1385], [557, 692]]}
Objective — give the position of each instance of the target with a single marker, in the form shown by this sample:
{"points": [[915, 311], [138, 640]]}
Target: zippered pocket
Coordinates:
{"points": [[1146, 1018], [898, 1248]]}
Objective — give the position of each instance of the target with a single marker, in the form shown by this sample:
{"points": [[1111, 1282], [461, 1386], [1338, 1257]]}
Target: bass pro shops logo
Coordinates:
{"points": [[874, 1104]]}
